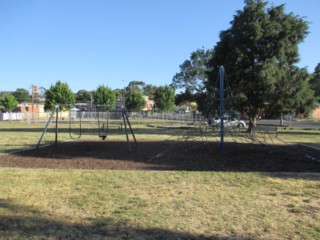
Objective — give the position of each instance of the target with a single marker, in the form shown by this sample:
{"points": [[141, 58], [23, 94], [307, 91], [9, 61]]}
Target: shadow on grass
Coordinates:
{"points": [[169, 155], [21, 222]]}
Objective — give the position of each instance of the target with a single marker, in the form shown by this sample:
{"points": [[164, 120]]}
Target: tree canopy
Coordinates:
{"points": [[258, 53], [59, 93], [83, 96], [8, 102], [104, 96], [149, 90], [135, 100], [164, 98], [193, 72], [22, 95], [315, 81]]}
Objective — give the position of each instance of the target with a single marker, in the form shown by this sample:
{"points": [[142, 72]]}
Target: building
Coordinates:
{"points": [[316, 112], [29, 108]]}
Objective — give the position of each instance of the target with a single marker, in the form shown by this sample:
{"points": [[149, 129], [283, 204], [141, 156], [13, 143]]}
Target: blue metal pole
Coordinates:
{"points": [[221, 74]]}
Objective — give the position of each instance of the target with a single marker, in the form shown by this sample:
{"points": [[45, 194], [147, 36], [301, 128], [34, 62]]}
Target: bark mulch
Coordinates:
{"points": [[168, 155]]}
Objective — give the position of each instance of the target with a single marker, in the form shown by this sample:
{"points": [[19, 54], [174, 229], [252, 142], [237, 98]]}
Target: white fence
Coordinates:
{"points": [[10, 116]]}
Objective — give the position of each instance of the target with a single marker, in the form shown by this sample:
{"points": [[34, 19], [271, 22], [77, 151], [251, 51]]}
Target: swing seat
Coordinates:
{"points": [[103, 137]]}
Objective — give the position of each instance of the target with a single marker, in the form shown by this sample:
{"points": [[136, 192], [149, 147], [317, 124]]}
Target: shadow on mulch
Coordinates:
{"points": [[169, 155]]}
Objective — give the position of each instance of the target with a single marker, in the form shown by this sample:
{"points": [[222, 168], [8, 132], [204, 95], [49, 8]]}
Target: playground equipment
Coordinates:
{"points": [[55, 110], [224, 105], [103, 127], [90, 123], [72, 115]]}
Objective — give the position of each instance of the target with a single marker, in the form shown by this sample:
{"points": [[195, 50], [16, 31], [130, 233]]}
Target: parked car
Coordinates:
{"points": [[227, 121]]}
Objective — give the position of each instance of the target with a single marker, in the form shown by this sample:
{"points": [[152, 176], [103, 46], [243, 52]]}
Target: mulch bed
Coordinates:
{"points": [[168, 155]]}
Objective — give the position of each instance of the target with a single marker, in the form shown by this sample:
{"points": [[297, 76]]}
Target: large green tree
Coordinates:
{"points": [[8, 102], [315, 81], [22, 95], [135, 100], [164, 98], [258, 53], [104, 96], [193, 72], [60, 93]]}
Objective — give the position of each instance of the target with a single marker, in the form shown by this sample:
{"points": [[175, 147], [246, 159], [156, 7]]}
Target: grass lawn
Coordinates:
{"points": [[308, 137], [106, 204], [64, 204]]}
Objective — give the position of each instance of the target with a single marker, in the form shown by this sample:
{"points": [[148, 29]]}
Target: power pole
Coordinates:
{"points": [[33, 93]]}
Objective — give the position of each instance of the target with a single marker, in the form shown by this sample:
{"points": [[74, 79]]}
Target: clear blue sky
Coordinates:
{"points": [[88, 43]]}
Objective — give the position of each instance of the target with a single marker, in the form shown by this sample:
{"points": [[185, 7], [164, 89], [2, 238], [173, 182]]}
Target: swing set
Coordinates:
{"points": [[100, 125]]}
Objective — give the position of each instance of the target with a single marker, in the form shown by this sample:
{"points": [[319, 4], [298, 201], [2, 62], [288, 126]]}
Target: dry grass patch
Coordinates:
{"points": [[165, 205]]}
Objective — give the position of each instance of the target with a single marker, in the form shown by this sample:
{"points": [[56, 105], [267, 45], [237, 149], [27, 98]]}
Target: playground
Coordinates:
{"points": [[158, 143], [118, 175], [165, 142]]}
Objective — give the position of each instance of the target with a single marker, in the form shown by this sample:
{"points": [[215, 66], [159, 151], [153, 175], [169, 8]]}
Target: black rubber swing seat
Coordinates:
{"points": [[103, 137]]}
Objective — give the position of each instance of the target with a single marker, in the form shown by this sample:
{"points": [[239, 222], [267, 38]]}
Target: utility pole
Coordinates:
{"points": [[33, 93], [32, 102]]}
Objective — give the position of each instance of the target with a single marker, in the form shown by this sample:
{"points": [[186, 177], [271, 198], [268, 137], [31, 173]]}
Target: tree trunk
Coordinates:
{"points": [[281, 119], [252, 123]]}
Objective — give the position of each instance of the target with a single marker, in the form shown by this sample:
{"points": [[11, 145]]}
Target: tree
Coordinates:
{"points": [[164, 98], [104, 96], [295, 95], [22, 95], [134, 85], [193, 72], [8, 102], [258, 53], [83, 96], [315, 81], [304, 102], [149, 90], [184, 97], [135, 100], [59, 93]]}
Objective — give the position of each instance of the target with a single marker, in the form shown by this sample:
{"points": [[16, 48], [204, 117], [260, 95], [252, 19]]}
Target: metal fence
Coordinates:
{"points": [[94, 116]]}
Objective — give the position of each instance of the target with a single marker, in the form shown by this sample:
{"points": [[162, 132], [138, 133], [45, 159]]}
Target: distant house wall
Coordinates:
{"points": [[316, 113], [28, 108]]}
